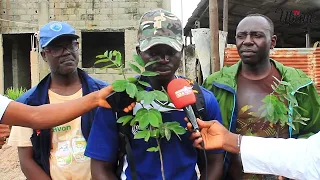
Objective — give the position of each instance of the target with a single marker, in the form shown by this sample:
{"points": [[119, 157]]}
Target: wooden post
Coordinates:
{"points": [[2, 90], [308, 38], [214, 29], [43, 19], [225, 15]]}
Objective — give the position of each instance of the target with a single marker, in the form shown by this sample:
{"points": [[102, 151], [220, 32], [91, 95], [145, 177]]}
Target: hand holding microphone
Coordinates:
{"points": [[182, 96]]}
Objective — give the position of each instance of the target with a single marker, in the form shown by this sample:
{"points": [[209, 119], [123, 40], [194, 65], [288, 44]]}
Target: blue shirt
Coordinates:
{"points": [[179, 157]]}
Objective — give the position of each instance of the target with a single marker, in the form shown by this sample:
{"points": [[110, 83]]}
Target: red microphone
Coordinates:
{"points": [[182, 96]]}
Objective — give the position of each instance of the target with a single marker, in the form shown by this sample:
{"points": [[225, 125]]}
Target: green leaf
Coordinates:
{"points": [[293, 99], [124, 119], [144, 121], [134, 121], [283, 118], [171, 125], [120, 85], [148, 98], [101, 61], [135, 68], [114, 53], [150, 63], [140, 88], [157, 114], [153, 149], [132, 79], [141, 134], [167, 133], [276, 78], [161, 130], [144, 83], [118, 59], [264, 113], [304, 119], [291, 125], [140, 95], [285, 83], [263, 107], [101, 56], [108, 66], [301, 122], [131, 90], [146, 139], [164, 90], [155, 133], [270, 110], [106, 54], [153, 119], [302, 109], [110, 55], [139, 60], [149, 73], [161, 96], [141, 112], [149, 117], [179, 130]]}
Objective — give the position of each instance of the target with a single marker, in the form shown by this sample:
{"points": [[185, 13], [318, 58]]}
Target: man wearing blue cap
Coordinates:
{"points": [[57, 153]]}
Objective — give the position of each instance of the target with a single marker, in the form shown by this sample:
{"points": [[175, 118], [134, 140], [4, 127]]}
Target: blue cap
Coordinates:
{"points": [[53, 30]]}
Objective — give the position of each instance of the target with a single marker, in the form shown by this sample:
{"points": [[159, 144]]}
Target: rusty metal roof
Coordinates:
{"points": [[306, 59], [290, 32]]}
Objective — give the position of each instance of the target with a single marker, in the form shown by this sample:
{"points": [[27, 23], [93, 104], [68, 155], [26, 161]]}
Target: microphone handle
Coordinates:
{"points": [[192, 118]]}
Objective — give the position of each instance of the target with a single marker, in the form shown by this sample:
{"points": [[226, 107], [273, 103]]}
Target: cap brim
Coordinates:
{"points": [[60, 35], [148, 43]]}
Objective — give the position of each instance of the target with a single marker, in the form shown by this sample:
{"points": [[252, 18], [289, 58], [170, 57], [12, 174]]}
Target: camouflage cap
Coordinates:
{"points": [[159, 26]]}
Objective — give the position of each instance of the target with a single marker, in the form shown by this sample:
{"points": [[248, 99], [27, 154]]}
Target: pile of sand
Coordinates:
{"points": [[9, 164]]}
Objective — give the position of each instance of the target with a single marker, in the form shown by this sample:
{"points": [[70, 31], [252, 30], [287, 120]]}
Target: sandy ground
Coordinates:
{"points": [[9, 164]]}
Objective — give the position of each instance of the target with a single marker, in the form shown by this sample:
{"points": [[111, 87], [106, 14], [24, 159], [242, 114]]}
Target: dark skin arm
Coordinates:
{"points": [[101, 170], [29, 167], [55, 114], [215, 167]]}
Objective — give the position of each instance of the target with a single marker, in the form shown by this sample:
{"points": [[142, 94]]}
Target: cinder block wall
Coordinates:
{"points": [[84, 15]]}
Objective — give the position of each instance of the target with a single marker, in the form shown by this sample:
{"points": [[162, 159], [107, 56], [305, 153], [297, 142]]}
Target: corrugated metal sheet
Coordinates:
{"points": [[306, 59]]}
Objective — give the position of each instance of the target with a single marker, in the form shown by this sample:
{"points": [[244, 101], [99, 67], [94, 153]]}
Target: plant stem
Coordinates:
{"points": [[122, 72], [161, 160]]}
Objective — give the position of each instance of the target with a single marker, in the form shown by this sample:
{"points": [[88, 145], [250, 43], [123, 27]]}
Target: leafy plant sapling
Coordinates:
{"points": [[148, 118], [281, 106]]}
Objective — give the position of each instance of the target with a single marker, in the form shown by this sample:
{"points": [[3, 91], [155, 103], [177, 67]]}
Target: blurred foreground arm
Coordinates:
{"points": [[54, 114], [292, 158]]}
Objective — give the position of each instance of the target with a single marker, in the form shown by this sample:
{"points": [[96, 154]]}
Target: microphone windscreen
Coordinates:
{"points": [[181, 93]]}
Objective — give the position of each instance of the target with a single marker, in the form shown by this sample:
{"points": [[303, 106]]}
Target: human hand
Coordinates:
{"points": [[105, 92], [212, 133]]}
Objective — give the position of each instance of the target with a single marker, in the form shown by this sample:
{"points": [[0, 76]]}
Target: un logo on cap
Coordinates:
{"points": [[56, 27]]}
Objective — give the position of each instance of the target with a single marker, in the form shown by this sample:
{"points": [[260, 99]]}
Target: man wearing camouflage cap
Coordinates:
{"points": [[159, 38]]}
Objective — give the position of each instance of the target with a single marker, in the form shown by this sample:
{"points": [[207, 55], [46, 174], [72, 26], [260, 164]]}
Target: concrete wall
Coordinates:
{"points": [[16, 60], [84, 15]]}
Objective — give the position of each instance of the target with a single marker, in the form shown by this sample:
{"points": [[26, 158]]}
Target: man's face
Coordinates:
{"points": [[168, 60], [254, 39], [62, 55]]}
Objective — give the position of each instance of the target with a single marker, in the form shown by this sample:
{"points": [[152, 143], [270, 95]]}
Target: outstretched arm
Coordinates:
{"points": [[264, 155], [55, 114]]}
